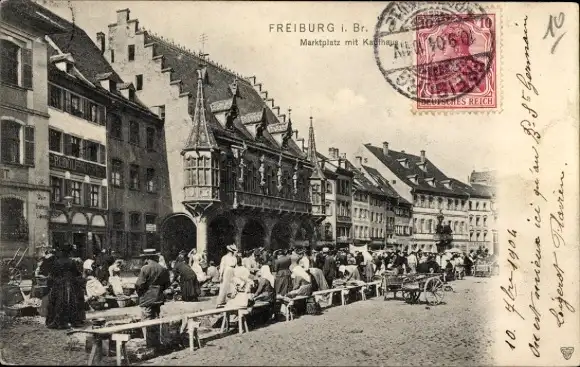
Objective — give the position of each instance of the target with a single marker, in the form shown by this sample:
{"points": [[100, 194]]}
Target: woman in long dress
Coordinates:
{"points": [[227, 265], [265, 289], [188, 283], [66, 297], [283, 280]]}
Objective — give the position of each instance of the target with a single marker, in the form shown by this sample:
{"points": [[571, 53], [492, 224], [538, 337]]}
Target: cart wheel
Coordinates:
{"points": [[434, 293]]}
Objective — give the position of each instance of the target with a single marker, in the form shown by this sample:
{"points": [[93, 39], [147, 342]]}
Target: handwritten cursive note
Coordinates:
{"points": [[557, 23]]}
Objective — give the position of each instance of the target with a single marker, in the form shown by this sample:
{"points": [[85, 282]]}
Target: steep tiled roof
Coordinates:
{"points": [[28, 12], [331, 168], [360, 182], [384, 184], [483, 190], [218, 93], [393, 162]]}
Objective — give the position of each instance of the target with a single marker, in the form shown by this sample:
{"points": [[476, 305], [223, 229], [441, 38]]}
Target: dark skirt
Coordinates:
{"points": [[283, 282], [190, 290], [66, 303]]}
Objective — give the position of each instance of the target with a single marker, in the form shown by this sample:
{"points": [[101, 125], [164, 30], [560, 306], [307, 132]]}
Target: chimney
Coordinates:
{"points": [[101, 41], [422, 156], [358, 159], [386, 148], [331, 152], [295, 134]]}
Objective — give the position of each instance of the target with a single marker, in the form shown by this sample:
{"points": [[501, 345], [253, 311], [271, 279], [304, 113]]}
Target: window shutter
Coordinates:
{"points": [[104, 197], [26, 58], [29, 145], [67, 146], [86, 194], [102, 154]]}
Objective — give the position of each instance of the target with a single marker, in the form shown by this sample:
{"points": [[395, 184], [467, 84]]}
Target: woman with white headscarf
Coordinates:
{"points": [[302, 283], [265, 289]]}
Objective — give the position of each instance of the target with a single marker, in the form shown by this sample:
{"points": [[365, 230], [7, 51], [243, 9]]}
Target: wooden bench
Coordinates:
{"points": [[346, 290], [116, 333], [289, 303], [331, 292]]}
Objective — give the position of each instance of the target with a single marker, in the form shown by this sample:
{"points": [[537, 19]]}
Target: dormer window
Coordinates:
{"points": [[404, 162], [430, 181], [422, 166], [414, 179], [447, 184]]}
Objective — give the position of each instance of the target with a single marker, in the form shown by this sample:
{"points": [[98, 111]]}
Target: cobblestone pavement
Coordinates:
{"points": [[372, 332]]}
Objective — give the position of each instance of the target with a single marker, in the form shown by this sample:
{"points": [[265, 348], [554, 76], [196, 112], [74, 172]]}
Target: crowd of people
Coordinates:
{"points": [[243, 277]]}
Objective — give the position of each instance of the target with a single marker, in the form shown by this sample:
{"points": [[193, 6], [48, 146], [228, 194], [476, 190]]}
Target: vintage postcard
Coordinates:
{"points": [[279, 183]]}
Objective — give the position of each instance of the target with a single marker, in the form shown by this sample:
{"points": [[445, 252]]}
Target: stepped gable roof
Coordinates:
{"points": [[218, 94], [391, 161], [362, 183], [384, 184]]}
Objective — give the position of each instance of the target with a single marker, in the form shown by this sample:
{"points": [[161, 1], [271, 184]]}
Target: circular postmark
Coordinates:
{"points": [[434, 51]]}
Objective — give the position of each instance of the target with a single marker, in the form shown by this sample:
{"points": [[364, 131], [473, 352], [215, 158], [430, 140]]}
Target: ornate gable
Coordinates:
{"points": [[201, 136]]}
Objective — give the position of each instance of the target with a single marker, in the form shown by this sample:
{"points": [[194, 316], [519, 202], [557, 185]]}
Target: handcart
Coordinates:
{"points": [[430, 285]]}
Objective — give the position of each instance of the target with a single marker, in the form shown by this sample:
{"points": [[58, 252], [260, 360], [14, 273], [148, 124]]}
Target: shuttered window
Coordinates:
{"points": [[26, 57], [29, 145]]}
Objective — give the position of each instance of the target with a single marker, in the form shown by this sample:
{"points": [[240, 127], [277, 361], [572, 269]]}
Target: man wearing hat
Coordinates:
{"points": [[153, 280], [329, 267]]}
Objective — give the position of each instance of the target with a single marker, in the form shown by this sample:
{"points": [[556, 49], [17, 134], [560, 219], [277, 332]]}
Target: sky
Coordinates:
{"points": [[342, 87]]}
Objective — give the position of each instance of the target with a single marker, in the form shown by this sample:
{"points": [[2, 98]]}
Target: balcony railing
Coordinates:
{"points": [[344, 218], [265, 202]]}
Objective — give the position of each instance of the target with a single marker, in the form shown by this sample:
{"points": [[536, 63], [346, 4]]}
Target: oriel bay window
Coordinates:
{"points": [[202, 171]]}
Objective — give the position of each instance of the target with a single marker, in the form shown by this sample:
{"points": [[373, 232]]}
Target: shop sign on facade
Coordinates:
{"points": [[77, 166]]}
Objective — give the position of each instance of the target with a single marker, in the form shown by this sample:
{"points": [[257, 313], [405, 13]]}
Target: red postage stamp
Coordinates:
{"points": [[449, 54]]}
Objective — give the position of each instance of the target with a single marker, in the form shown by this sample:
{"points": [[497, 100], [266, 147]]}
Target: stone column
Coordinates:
{"points": [[201, 232], [240, 223]]}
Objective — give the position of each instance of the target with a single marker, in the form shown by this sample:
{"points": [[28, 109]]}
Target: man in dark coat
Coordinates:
{"points": [[151, 284], [329, 268]]}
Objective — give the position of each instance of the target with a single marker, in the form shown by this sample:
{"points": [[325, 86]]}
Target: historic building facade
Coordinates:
{"points": [[95, 123], [235, 172], [398, 211], [434, 195], [24, 164], [336, 228], [483, 212]]}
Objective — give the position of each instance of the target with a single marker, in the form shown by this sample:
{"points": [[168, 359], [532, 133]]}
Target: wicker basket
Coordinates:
{"points": [[127, 291], [20, 312]]}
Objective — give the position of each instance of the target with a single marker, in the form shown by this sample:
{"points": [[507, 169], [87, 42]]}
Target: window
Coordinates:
{"points": [[55, 140], [135, 242], [12, 219], [329, 187], [75, 145], [115, 127], [91, 151], [139, 82], [150, 180], [112, 56], [135, 221], [151, 138], [56, 97], [74, 104], [94, 197], [151, 240], [134, 132], [10, 62], [75, 192], [10, 141], [117, 173], [131, 52], [118, 220], [134, 177], [56, 189]]}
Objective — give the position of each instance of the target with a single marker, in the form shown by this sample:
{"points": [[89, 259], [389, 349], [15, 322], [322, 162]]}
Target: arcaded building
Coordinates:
{"points": [[236, 174]]}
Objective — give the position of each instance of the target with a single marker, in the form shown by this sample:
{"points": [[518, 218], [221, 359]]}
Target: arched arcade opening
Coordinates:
{"points": [[220, 234], [178, 233], [253, 235]]}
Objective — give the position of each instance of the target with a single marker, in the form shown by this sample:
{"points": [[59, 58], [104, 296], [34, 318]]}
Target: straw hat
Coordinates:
{"points": [[326, 249], [232, 248]]}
